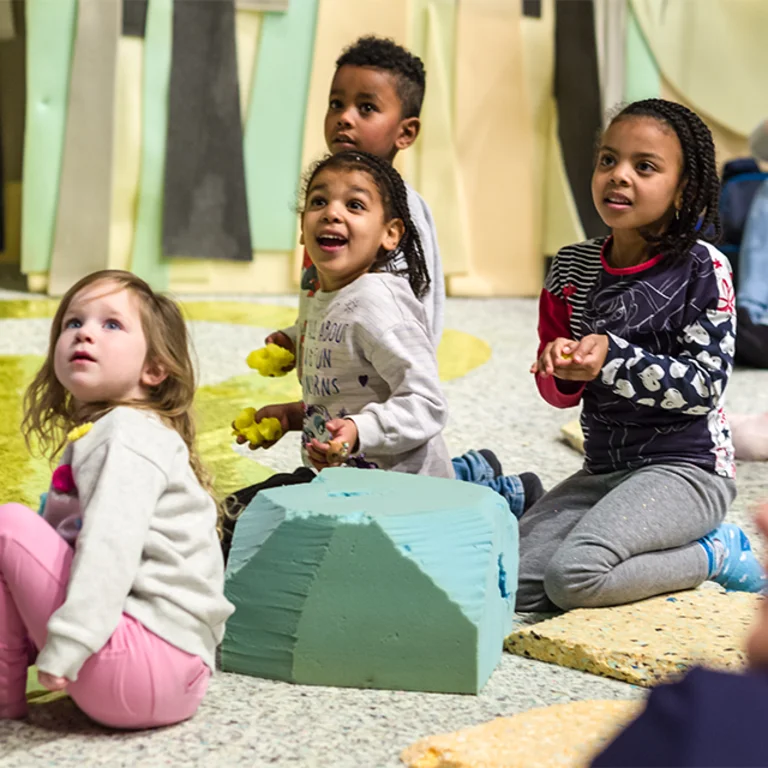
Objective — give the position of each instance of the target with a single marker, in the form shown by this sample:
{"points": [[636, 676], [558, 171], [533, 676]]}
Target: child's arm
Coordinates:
{"points": [[691, 382], [416, 410], [554, 334], [434, 301], [118, 490]]}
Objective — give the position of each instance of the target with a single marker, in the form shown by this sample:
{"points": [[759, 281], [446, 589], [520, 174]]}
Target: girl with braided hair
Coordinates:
{"points": [[639, 328], [365, 358]]}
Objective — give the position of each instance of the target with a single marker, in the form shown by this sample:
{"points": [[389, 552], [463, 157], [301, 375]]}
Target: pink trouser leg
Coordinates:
{"points": [[137, 680]]}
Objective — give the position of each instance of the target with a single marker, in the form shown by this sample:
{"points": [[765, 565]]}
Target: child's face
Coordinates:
{"points": [[365, 113], [636, 182], [101, 352], [344, 226]]}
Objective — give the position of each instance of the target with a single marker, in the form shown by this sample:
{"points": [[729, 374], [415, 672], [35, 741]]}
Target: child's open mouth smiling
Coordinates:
{"points": [[330, 242]]}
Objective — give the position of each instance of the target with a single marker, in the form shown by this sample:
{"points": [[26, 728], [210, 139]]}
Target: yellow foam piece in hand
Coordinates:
{"points": [[270, 360], [256, 432], [244, 419]]}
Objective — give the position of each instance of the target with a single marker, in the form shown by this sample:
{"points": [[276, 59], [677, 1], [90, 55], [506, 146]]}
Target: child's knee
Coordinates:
{"points": [[15, 518], [572, 580]]}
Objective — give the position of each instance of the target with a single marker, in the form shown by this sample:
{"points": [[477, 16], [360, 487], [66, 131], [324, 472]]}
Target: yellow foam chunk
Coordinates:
{"points": [[558, 736], [572, 434], [647, 642], [256, 432], [270, 360]]}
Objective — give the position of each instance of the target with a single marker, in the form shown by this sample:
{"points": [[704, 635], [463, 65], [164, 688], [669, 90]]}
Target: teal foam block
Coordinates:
{"points": [[372, 579]]}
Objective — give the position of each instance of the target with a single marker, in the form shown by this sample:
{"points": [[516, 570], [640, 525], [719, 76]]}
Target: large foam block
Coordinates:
{"points": [[372, 579]]}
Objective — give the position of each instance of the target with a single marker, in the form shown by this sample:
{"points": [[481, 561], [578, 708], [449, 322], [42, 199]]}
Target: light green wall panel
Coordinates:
{"points": [[274, 130], [50, 37]]}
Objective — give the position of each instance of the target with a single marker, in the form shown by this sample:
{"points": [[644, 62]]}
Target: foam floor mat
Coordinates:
{"points": [[646, 642], [551, 737]]}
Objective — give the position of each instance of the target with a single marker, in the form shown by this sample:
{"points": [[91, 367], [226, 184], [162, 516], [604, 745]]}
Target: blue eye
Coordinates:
{"points": [[113, 325], [72, 323]]}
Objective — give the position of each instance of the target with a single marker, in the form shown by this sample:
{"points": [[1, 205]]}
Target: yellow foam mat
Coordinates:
{"points": [[561, 735], [572, 434], [648, 642]]}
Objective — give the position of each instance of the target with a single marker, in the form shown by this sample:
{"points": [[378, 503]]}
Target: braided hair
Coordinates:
{"points": [[698, 216], [394, 198]]}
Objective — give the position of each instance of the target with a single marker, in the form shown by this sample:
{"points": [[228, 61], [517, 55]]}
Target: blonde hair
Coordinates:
{"points": [[50, 410]]}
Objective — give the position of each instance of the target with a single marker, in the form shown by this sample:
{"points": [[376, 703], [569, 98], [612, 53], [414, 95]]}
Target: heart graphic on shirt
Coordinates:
{"points": [[728, 345], [673, 399], [651, 377], [698, 334], [713, 363], [624, 388], [608, 374], [363, 380], [700, 385]]}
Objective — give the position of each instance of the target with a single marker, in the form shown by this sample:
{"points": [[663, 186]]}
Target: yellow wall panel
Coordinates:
{"points": [[728, 143], [126, 158], [439, 175], [561, 222], [247, 27], [495, 149], [713, 52], [268, 273], [538, 38]]}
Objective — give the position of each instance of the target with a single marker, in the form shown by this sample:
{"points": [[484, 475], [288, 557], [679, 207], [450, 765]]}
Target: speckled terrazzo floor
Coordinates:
{"points": [[246, 721]]}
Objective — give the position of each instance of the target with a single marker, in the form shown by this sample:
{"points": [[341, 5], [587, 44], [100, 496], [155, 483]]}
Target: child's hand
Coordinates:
{"points": [[555, 355], [284, 341], [290, 416], [586, 361], [344, 439], [51, 682]]}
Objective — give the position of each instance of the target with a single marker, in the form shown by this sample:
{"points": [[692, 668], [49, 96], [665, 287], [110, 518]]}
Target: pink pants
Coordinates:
{"points": [[137, 680]]}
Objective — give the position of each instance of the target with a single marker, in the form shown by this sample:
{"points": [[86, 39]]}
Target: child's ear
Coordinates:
{"points": [[409, 131], [679, 194], [153, 374], [394, 231]]}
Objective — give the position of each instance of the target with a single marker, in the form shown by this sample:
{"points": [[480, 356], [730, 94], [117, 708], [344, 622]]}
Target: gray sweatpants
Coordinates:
{"points": [[609, 539]]}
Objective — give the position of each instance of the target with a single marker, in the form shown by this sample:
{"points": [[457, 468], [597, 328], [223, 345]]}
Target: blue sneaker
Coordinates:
{"points": [[732, 564]]}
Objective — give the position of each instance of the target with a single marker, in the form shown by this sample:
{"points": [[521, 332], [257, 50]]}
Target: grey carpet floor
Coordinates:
{"points": [[246, 721]]}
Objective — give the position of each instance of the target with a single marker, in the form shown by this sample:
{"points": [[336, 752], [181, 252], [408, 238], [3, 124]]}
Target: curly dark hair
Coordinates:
{"points": [[386, 54], [698, 216], [394, 198]]}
